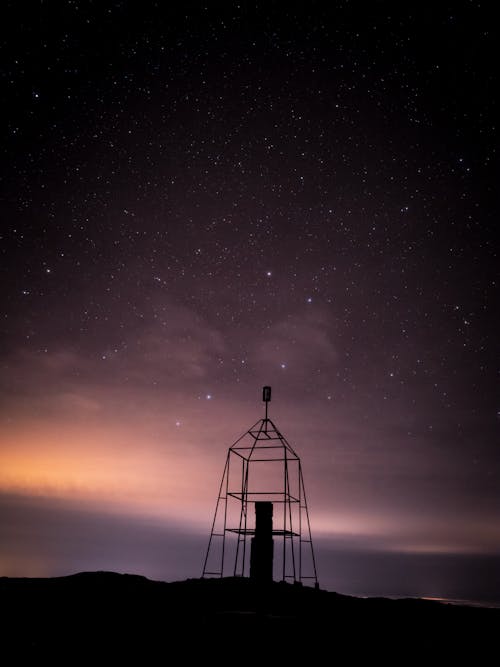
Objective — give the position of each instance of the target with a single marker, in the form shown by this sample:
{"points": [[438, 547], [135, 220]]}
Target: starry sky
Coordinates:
{"points": [[200, 200]]}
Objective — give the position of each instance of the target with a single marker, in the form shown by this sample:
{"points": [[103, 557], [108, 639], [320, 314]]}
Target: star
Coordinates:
{"points": [[147, 220]]}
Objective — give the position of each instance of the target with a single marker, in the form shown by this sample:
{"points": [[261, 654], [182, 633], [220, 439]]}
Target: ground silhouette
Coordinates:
{"points": [[104, 614]]}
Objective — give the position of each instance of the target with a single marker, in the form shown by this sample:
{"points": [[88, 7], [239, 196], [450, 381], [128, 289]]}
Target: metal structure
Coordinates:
{"points": [[261, 467]]}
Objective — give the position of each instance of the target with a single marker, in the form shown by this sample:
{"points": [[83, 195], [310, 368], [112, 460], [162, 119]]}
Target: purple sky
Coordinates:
{"points": [[200, 203]]}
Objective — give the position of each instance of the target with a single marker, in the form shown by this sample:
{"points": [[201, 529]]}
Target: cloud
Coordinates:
{"points": [[130, 424], [174, 352], [302, 344]]}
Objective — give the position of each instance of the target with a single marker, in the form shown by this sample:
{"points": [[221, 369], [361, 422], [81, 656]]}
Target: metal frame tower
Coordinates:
{"points": [[261, 466]]}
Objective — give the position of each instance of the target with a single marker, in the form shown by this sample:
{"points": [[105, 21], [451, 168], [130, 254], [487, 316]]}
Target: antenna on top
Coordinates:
{"points": [[266, 396]]}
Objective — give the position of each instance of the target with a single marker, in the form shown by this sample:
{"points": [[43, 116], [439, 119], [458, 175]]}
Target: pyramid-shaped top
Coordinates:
{"points": [[264, 435], [264, 441]]}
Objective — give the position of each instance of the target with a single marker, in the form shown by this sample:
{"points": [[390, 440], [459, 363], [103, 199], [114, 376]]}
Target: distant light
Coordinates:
{"points": [[309, 299], [177, 423], [283, 365], [269, 274], [208, 397]]}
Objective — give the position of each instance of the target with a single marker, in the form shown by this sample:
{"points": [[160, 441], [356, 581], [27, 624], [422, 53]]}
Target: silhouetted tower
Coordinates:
{"points": [[262, 470]]}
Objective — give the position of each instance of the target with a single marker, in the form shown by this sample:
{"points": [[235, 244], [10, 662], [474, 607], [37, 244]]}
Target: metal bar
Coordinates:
{"points": [[270, 460], [215, 517], [285, 441], [244, 509], [244, 501], [309, 529], [244, 464], [236, 494], [300, 523], [284, 516], [225, 515], [250, 499], [256, 435], [235, 451], [289, 505], [244, 434], [251, 531], [261, 446]]}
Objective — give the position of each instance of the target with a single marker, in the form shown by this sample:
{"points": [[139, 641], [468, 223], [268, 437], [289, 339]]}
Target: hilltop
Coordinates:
{"points": [[105, 613]]}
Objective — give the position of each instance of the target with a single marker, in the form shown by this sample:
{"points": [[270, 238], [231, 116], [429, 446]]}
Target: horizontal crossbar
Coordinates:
{"points": [[240, 496], [251, 531]]}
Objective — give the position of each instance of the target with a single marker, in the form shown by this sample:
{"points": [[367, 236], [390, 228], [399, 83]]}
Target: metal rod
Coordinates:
{"points": [[284, 517], [215, 516], [309, 528], [300, 523], [225, 516], [289, 505], [244, 464]]}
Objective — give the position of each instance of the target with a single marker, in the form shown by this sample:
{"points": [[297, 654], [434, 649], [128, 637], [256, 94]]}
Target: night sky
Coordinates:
{"points": [[201, 200]]}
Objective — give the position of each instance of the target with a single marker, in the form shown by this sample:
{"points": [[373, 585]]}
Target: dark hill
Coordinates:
{"points": [[93, 614]]}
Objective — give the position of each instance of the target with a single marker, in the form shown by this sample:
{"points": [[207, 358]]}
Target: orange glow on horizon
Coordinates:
{"points": [[115, 468], [121, 469]]}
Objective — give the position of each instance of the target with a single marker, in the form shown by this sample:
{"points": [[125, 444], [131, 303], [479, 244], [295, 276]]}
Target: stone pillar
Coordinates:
{"points": [[262, 551]]}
